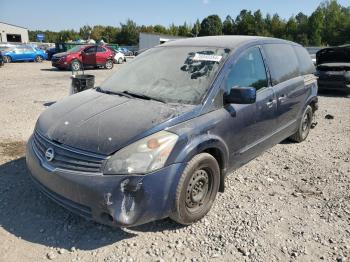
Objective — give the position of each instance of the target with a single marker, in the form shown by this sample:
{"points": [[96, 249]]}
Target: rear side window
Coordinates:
{"points": [[90, 50], [282, 61], [305, 63], [248, 71], [100, 49]]}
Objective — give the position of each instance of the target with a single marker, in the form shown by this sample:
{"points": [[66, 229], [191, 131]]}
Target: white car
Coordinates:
{"points": [[119, 57]]}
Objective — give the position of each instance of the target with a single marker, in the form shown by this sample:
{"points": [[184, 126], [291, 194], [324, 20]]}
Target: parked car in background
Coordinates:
{"points": [[50, 52], [24, 53], [158, 138], [119, 57], [86, 56], [333, 68], [125, 51], [312, 51], [1, 59]]}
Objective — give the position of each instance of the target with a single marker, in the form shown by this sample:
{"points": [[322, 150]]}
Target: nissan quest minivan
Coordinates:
{"points": [[158, 138]]}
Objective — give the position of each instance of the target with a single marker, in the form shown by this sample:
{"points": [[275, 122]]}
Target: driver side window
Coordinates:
{"points": [[90, 50], [247, 71]]}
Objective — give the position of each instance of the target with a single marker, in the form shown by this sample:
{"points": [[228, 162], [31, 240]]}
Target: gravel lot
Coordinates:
{"points": [[290, 204]]}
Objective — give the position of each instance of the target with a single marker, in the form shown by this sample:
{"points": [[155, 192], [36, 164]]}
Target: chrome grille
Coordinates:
{"points": [[66, 157]]}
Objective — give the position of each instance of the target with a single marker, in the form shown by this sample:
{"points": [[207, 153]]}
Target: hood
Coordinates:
{"points": [[58, 55], [102, 123], [339, 54]]}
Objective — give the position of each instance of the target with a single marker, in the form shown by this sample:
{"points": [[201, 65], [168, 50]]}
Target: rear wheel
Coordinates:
{"points": [[109, 64], [38, 59], [304, 126], [7, 59], [197, 189], [120, 60], [75, 65]]}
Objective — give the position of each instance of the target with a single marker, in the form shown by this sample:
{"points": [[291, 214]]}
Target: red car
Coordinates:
{"points": [[86, 56]]}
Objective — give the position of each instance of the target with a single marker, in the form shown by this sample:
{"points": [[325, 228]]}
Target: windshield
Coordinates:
{"points": [[170, 74], [76, 49]]}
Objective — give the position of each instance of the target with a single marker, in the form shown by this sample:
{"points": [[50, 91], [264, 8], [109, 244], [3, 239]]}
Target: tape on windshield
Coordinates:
{"points": [[203, 57]]}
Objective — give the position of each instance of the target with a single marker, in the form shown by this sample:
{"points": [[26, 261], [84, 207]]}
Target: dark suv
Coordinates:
{"points": [[158, 138], [333, 68]]}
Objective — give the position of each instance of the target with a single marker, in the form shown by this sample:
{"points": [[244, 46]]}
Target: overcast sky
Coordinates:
{"points": [[72, 14]]}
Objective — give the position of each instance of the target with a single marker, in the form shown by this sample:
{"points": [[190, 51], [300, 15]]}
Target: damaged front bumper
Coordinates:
{"points": [[114, 200]]}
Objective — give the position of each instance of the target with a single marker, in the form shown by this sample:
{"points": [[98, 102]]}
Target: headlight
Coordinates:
{"points": [[143, 156]]}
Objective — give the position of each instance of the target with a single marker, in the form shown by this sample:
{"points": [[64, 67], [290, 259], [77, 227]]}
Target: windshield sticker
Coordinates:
{"points": [[203, 57]]}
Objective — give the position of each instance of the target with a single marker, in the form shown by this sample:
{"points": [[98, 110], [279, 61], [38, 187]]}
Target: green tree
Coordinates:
{"points": [[173, 29], [160, 29], [85, 32], [196, 28], [291, 29], [228, 26], [184, 30], [259, 23], [129, 33], [97, 32], [315, 27], [211, 25], [245, 23], [335, 24], [67, 35]]}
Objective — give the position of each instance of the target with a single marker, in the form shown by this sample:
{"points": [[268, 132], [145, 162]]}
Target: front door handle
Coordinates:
{"points": [[270, 103], [282, 98]]}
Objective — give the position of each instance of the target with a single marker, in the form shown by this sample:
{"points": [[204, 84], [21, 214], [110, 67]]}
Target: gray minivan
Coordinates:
{"points": [[158, 138]]}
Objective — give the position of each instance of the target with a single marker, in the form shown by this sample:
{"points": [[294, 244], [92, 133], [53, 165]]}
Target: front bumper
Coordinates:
{"points": [[119, 200], [325, 83], [60, 64]]}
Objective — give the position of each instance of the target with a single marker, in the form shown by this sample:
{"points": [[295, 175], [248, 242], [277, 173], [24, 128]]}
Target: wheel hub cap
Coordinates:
{"points": [[305, 122], [197, 189]]}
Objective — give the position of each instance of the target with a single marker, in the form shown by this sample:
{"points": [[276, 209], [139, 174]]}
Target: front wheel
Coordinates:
{"points": [[109, 64], [38, 59], [75, 65], [120, 60], [196, 190], [304, 126]]}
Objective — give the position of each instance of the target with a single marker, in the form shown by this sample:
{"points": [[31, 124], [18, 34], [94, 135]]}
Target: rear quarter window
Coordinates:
{"points": [[282, 62], [305, 63]]}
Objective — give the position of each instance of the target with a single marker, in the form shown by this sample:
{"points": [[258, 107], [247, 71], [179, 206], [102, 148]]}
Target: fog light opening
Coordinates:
{"points": [[106, 217]]}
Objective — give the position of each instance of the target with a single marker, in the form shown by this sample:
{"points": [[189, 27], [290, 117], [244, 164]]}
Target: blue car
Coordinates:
{"points": [[158, 138], [24, 53]]}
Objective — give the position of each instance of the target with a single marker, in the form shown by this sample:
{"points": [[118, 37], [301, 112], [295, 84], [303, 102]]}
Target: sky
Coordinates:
{"points": [[72, 14]]}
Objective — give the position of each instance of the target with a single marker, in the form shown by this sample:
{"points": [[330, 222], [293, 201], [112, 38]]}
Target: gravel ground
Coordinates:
{"points": [[290, 204]]}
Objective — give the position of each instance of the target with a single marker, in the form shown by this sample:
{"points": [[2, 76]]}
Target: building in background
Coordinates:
{"points": [[149, 40], [13, 33]]}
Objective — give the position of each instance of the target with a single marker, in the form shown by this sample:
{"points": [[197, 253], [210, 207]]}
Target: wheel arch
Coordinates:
{"points": [[210, 144]]}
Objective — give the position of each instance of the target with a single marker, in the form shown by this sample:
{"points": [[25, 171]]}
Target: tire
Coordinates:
{"points": [[109, 64], [75, 65], [38, 59], [7, 59], [196, 190], [120, 60], [304, 126]]}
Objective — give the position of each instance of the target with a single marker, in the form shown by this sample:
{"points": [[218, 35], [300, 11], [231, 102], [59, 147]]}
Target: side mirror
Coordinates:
{"points": [[240, 95]]}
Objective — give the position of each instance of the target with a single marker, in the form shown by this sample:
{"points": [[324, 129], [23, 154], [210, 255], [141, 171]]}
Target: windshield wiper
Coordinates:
{"points": [[109, 92], [129, 94], [142, 96]]}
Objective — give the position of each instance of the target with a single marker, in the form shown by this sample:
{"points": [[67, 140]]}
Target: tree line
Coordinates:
{"points": [[329, 24]]}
